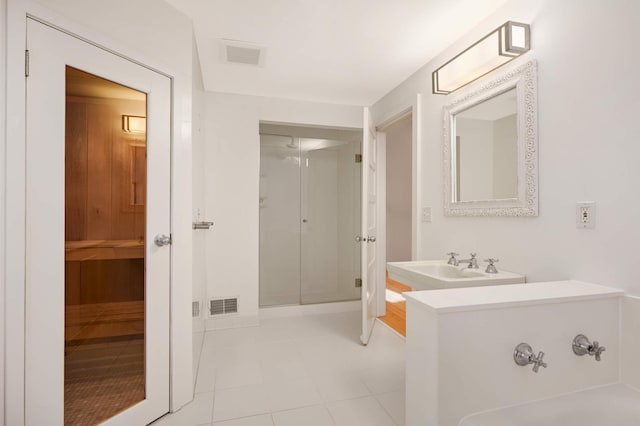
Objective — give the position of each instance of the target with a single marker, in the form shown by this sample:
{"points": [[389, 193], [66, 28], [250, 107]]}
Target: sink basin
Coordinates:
{"points": [[437, 274]]}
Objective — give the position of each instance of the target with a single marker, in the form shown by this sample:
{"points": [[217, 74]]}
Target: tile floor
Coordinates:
{"points": [[298, 371]]}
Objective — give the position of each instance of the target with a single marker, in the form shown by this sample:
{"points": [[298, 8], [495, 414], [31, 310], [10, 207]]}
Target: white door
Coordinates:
{"points": [[97, 287], [369, 226]]}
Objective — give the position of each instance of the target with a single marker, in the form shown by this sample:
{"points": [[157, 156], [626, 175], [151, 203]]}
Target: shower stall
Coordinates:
{"points": [[309, 215]]}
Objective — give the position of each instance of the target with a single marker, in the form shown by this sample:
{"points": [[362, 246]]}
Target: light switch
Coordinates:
{"points": [[426, 214]]}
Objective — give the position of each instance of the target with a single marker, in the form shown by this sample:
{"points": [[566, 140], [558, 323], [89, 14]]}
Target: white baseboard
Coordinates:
{"points": [[239, 321], [197, 325], [231, 321], [300, 310]]}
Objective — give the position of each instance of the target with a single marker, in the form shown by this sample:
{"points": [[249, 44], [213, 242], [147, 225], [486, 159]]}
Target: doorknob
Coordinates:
{"points": [[372, 239], [360, 239], [162, 240]]}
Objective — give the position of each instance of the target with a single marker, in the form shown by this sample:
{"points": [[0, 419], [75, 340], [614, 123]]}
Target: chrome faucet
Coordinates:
{"points": [[582, 346], [452, 259], [473, 262], [523, 356], [491, 268]]}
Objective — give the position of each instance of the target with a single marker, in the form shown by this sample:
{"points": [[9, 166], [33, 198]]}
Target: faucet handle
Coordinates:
{"points": [[523, 356], [453, 254], [491, 268], [538, 362], [597, 350], [582, 346], [452, 258]]}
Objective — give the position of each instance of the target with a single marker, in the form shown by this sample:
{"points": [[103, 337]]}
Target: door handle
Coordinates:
{"points": [[360, 239], [162, 240]]}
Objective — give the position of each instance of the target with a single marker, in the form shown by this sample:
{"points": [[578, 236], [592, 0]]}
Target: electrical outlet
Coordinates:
{"points": [[426, 214], [586, 215]]}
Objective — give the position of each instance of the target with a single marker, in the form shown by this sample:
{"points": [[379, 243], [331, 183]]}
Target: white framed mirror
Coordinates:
{"points": [[491, 146]]}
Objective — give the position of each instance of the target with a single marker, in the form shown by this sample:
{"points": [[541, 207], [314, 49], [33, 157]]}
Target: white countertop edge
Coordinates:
{"points": [[436, 300]]}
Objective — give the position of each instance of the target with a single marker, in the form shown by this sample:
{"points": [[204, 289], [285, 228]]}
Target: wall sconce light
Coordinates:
{"points": [[500, 46], [134, 124]]}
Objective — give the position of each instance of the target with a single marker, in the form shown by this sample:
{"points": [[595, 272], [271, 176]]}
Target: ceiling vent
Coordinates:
{"points": [[240, 52]]}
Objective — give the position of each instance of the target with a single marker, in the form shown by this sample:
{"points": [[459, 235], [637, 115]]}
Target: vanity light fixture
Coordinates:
{"points": [[134, 124], [500, 46]]}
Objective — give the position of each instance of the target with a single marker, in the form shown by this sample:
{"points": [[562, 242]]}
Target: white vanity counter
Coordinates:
{"points": [[478, 298]]}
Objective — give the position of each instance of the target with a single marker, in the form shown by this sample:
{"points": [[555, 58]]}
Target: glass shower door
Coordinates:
{"points": [[309, 216], [279, 220], [330, 257]]}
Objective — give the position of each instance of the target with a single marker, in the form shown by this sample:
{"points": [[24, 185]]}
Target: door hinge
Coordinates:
{"points": [[358, 282], [358, 158], [26, 63]]}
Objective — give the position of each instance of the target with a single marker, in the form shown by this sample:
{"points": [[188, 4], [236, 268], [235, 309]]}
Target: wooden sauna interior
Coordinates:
{"points": [[105, 190], [105, 220]]}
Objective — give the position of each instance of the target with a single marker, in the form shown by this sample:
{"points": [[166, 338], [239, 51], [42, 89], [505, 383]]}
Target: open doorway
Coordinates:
{"points": [[399, 208]]}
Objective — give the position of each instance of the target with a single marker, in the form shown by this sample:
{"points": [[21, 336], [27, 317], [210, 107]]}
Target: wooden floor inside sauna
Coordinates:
{"points": [[396, 316]]}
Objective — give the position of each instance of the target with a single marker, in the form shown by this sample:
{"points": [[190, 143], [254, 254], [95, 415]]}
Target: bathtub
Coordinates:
{"points": [[611, 405]]}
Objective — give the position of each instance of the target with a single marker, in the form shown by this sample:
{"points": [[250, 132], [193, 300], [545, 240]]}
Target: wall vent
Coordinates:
{"points": [[240, 52], [222, 306], [195, 309]]}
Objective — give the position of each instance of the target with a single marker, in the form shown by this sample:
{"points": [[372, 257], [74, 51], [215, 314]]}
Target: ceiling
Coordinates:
{"points": [[349, 52]]}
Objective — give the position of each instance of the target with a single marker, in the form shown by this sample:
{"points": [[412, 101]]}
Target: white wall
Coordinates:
{"points": [[3, 26], [232, 181], [399, 190], [197, 174], [589, 96], [155, 34]]}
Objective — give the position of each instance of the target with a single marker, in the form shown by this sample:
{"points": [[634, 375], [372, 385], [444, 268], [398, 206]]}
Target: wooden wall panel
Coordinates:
{"points": [[101, 168], [105, 171], [73, 279], [99, 152], [75, 171], [104, 281]]}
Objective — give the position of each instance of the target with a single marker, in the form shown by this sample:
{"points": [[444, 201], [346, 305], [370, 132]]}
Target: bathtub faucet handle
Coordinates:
{"points": [[582, 346], [523, 356], [538, 362], [597, 350]]}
